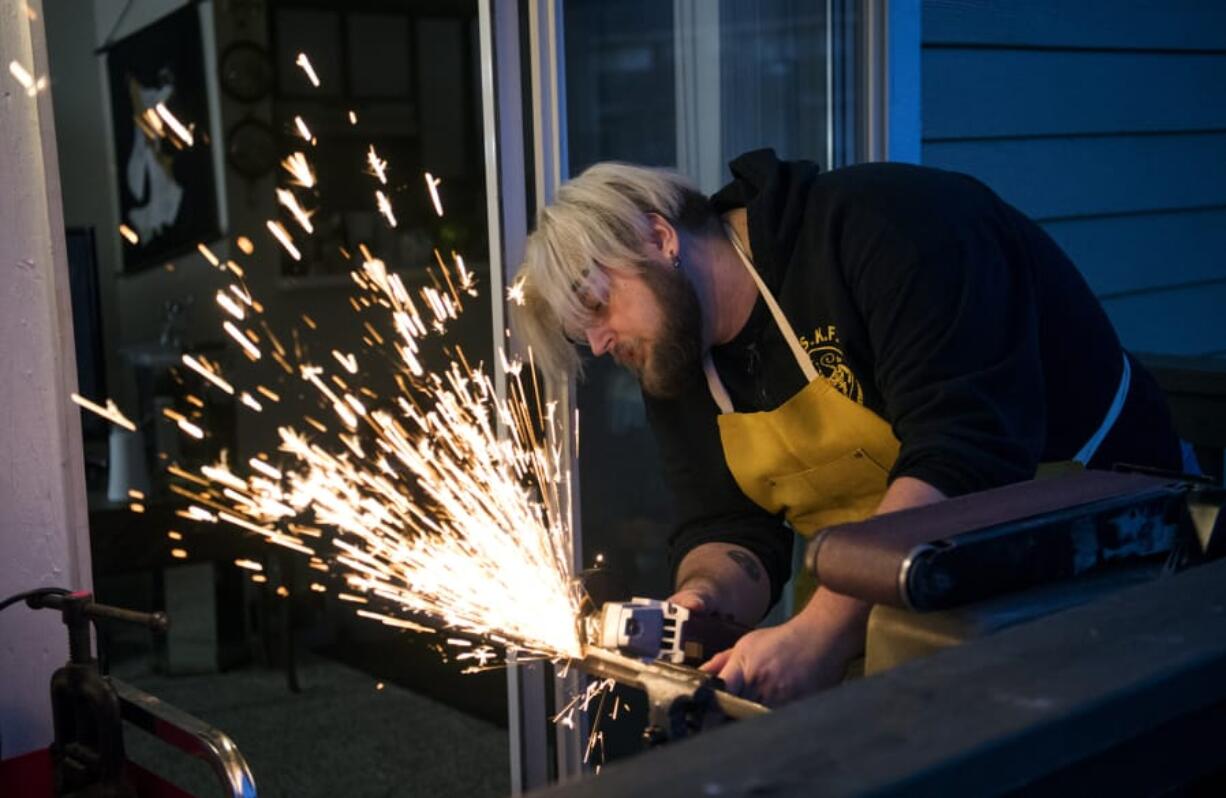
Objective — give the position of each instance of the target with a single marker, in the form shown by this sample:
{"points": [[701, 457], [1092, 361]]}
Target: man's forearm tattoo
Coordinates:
{"points": [[748, 564]]}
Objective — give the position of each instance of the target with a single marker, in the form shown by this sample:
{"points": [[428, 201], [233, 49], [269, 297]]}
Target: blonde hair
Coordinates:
{"points": [[596, 224]]}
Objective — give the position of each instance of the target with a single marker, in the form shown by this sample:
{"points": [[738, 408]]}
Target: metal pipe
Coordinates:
{"points": [[190, 735], [650, 676]]}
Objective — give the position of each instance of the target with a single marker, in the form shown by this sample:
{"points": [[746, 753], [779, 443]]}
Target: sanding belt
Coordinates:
{"points": [[868, 559]]}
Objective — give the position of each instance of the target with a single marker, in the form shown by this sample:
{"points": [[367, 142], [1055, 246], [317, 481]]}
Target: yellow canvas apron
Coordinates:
{"points": [[820, 458]]}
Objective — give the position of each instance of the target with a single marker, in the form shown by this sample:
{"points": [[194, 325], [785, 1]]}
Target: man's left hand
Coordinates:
{"points": [[806, 654]]}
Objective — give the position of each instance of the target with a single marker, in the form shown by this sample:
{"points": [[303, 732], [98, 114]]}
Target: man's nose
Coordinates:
{"points": [[600, 339]]}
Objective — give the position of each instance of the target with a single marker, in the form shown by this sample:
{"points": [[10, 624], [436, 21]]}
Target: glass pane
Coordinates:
{"points": [[320, 701], [773, 78], [378, 56], [686, 84]]}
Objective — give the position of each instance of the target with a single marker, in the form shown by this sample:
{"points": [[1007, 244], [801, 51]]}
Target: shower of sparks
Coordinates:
{"points": [[378, 166], [468, 282], [208, 373], [398, 623], [353, 118], [264, 468], [348, 361], [208, 255], [179, 554], [300, 170], [230, 305], [442, 507], [22, 75], [444, 503], [482, 655], [190, 429], [303, 130], [515, 293], [432, 183], [173, 535], [129, 234], [305, 63], [282, 235], [290, 202], [174, 124], [200, 514], [249, 349], [27, 81], [581, 701], [110, 412], [150, 124], [385, 208]]}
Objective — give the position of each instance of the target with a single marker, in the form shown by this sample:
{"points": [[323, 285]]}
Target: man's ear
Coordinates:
{"points": [[663, 240]]}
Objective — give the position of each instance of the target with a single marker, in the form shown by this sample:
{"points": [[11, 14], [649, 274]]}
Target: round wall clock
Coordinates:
{"points": [[251, 148], [245, 72]]}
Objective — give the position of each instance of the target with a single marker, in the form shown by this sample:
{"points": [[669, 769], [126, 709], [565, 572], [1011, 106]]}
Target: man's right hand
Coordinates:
{"points": [[696, 597], [723, 579]]}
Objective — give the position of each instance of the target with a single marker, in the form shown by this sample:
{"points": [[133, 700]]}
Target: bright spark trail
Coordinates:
{"points": [[290, 203], [174, 124], [305, 63], [110, 412], [300, 170]]}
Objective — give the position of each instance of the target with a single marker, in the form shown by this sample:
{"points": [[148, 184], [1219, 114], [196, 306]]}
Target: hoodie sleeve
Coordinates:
{"points": [[953, 330]]}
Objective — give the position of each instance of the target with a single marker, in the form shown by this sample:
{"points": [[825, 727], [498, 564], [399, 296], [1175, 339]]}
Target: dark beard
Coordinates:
{"points": [[675, 361]]}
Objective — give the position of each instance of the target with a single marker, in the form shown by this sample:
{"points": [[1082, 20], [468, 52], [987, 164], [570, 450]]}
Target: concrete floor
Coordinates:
{"points": [[339, 736]]}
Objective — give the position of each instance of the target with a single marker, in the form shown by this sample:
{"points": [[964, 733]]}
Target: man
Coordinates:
{"points": [[818, 347]]}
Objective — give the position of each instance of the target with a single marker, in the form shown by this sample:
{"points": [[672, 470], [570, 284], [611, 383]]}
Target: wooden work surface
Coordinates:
{"points": [[1124, 694]]}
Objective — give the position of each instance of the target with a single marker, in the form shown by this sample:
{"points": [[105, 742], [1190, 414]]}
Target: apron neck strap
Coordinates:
{"points": [[718, 392], [716, 386], [785, 327]]}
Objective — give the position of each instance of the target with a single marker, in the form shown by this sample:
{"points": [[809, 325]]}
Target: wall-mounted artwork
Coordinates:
{"points": [[163, 154]]}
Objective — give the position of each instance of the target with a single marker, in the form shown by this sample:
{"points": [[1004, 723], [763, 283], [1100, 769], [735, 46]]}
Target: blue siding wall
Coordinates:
{"points": [[1106, 121]]}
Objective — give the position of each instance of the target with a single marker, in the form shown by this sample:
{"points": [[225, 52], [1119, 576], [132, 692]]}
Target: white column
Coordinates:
{"points": [[502, 90], [889, 92], [44, 534]]}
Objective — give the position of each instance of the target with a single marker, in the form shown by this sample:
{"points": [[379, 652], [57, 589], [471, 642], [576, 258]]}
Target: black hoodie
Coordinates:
{"points": [[922, 295]]}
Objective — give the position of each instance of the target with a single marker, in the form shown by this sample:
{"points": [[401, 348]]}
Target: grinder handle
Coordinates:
{"points": [[703, 635]]}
